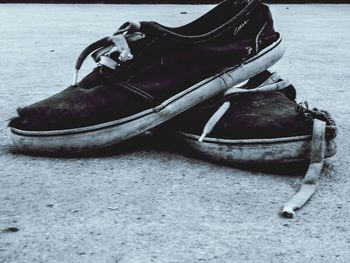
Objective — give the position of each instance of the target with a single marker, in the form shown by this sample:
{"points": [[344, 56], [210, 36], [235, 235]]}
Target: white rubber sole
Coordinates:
{"points": [[102, 135], [259, 151]]}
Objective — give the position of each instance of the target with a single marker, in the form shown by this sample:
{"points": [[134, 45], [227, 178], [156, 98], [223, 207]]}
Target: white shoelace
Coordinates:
{"points": [[105, 47], [309, 185]]}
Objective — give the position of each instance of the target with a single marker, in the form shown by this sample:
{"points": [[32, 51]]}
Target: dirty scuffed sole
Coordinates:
{"points": [[256, 151]]}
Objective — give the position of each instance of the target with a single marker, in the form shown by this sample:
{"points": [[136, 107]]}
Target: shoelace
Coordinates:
{"points": [[309, 184], [104, 47], [271, 84], [324, 127]]}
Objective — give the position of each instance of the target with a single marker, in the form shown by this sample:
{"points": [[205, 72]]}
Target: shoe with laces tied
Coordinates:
{"points": [[260, 123], [148, 73]]}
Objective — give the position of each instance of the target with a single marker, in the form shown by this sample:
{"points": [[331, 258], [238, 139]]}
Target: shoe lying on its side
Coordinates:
{"points": [[254, 124], [261, 123], [147, 74]]}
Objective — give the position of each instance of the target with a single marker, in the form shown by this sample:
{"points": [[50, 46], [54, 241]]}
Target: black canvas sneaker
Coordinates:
{"points": [[260, 123], [233, 126], [148, 73]]}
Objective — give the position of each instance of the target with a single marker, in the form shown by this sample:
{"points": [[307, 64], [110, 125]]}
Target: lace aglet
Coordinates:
{"points": [[75, 77], [288, 212], [214, 119], [202, 136]]}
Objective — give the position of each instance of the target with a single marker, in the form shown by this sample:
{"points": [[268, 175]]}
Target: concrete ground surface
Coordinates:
{"points": [[145, 201]]}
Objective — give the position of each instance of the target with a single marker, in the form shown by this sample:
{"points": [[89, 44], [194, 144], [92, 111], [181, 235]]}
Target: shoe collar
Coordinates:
{"points": [[235, 23]]}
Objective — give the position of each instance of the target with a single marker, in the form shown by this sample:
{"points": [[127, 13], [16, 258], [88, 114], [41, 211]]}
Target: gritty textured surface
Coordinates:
{"points": [[146, 201]]}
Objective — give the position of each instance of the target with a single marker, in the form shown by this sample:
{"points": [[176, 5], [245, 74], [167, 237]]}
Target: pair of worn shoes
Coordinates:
{"points": [[147, 74]]}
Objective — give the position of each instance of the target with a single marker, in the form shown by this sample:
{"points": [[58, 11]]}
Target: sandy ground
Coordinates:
{"points": [[144, 201]]}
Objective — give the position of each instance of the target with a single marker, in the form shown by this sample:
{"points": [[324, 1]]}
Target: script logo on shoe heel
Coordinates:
{"points": [[239, 27]]}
